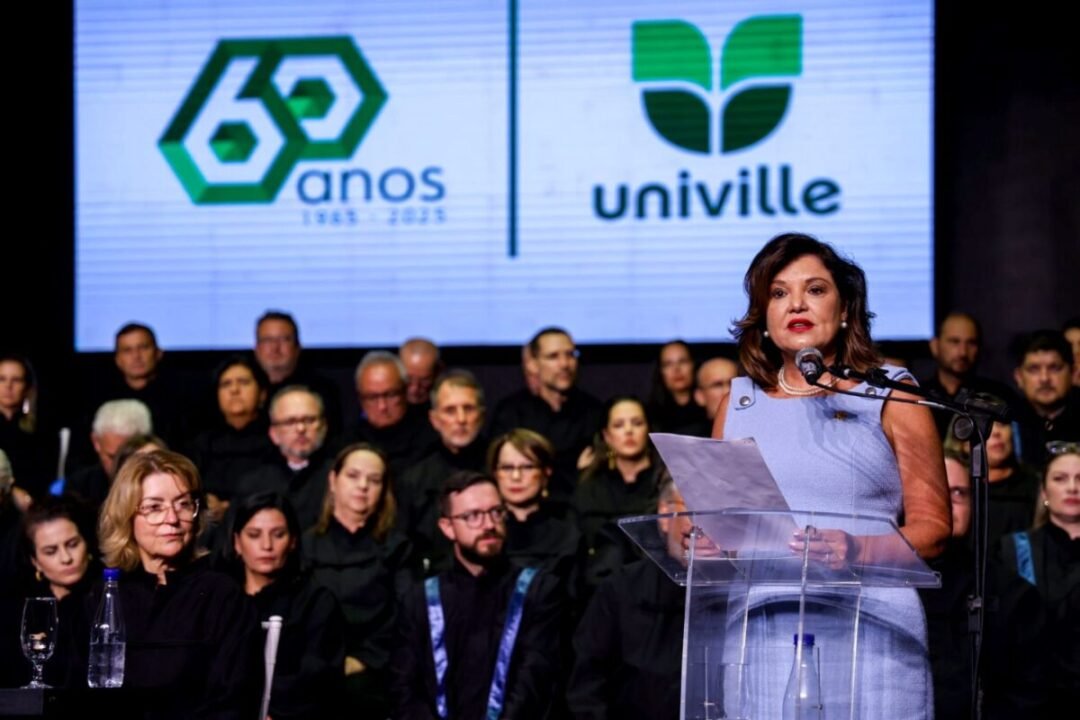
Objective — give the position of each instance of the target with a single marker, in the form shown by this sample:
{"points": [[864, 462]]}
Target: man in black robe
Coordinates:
{"points": [[560, 411], [485, 620], [628, 645], [457, 414]]}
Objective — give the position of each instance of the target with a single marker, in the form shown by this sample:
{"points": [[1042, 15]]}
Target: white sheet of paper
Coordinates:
{"points": [[727, 475], [719, 474]]}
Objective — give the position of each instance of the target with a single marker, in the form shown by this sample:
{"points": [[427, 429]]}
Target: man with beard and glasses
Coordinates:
{"points": [[481, 639], [301, 467], [457, 414]]}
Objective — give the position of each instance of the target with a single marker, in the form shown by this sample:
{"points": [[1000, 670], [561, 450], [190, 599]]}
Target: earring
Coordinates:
{"points": [[843, 324], [610, 459], [37, 576], [544, 493], [1046, 503], [766, 333]]}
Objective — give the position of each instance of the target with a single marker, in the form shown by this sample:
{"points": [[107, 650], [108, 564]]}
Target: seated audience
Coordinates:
{"points": [[621, 480], [55, 532], [628, 645], [457, 414], [299, 468], [27, 448], [537, 531], [192, 635], [671, 398], [115, 422], [356, 553], [1050, 409], [238, 442], [1013, 485], [1048, 557], [558, 410], [264, 556], [713, 385], [388, 421], [422, 366], [278, 353], [480, 627]]}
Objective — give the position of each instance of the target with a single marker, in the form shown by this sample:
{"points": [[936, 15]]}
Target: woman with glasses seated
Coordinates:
{"points": [[537, 533], [1048, 557], [356, 553], [192, 634], [264, 555]]}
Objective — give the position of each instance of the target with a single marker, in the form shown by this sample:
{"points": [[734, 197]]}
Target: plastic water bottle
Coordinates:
{"points": [[802, 698], [107, 638]]}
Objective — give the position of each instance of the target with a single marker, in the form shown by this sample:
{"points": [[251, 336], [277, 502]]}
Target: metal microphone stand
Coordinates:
{"points": [[977, 416]]}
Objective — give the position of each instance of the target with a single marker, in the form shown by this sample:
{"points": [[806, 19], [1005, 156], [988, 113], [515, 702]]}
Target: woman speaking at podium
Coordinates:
{"points": [[836, 453]]}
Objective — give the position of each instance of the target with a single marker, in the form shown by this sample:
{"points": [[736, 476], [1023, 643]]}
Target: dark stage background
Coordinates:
{"points": [[1007, 202]]}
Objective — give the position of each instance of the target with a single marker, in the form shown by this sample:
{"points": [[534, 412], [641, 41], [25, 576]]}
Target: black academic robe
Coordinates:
{"points": [[599, 502], [305, 488], [224, 454], [570, 430], [193, 644], [418, 498], [628, 648], [368, 576], [475, 610], [309, 670]]}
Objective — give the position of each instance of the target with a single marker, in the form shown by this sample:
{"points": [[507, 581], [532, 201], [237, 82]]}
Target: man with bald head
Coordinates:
{"points": [[422, 365], [298, 430], [714, 378], [956, 351], [387, 420]]}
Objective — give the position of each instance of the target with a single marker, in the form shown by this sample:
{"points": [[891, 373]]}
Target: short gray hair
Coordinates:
{"points": [[7, 479], [381, 357], [457, 377], [123, 417]]}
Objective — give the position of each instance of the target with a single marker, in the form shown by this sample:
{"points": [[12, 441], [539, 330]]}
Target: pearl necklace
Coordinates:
{"points": [[782, 382]]}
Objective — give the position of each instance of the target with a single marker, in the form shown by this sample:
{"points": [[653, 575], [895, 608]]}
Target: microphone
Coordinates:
{"points": [[810, 363]]}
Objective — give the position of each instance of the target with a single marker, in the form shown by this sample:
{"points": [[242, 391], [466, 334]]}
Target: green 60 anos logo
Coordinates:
{"points": [[234, 142], [671, 54]]}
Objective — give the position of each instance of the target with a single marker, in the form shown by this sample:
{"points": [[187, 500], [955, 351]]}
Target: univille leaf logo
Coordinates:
{"points": [[309, 98], [669, 55]]}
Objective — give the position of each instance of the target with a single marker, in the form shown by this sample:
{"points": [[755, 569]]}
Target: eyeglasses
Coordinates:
{"points": [[512, 469], [295, 422], [388, 396], [475, 518], [155, 511], [1061, 447]]}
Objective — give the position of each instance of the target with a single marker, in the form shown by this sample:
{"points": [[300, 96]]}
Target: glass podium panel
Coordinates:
{"points": [[768, 589]]}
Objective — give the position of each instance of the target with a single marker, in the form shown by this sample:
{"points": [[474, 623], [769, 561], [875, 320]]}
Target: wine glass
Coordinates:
{"points": [[38, 635]]}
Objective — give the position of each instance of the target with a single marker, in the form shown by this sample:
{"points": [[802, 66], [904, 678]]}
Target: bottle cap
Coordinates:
{"points": [[112, 573], [807, 639]]}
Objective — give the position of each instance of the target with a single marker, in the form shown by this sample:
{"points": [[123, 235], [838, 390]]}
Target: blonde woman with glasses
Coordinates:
{"points": [[192, 633]]}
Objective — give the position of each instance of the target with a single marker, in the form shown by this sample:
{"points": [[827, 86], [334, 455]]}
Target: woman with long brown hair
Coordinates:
{"points": [[830, 452]]}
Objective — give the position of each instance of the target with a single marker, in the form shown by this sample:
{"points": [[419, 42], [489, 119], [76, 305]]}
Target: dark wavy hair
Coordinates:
{"points": [[757, 354], [659, 395], [240, 513]]}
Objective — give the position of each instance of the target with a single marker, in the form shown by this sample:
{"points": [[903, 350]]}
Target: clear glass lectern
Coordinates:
{"points": [[758, 582]]}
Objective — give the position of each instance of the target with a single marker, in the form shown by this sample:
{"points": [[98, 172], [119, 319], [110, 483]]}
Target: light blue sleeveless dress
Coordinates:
{"points": [[829, 453]]}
